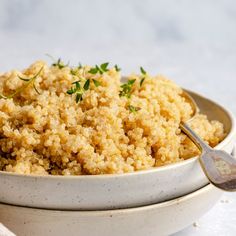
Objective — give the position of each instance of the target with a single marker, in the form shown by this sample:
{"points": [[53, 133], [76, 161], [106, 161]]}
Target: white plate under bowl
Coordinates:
{"points": [[157, 219], [119, 190]]}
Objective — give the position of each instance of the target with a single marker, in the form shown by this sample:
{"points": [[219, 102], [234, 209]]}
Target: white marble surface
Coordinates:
{"points": [[192, 42]]}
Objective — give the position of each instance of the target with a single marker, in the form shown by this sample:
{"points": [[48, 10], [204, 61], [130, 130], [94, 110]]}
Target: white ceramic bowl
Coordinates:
{"points": [[158, 219], [116, 191]]}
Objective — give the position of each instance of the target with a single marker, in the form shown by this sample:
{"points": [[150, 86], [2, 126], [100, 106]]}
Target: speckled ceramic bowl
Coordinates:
{"points": [[157, 219], [116, 191]]}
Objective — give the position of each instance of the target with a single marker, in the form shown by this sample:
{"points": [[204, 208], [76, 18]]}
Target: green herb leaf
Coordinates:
{"points": [[141, 81], [70, 91], [87, 84], [60, 64], [133, 109], [74, 71], [78, 97], [22, 78], [93, 71], [79, 66], [104, 66], [77, 84], [143, 71], [131, 82], [99, 69], [127, 88], [96, 82], [117, 68], [78, 90]]}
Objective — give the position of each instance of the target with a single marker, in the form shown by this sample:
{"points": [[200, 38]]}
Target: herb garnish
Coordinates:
{"points": [[127, 88], [60, 64], [133, 109], [28, 82], [96, 82], [80, 90], [79, 66], [117, 68], [74, 71], [87, 84], [99, 69], [57, 63], [144, 73], [141, 81]]}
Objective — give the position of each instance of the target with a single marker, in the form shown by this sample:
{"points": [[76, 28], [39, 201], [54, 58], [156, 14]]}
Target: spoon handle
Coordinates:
{"points": [[194, 137]]}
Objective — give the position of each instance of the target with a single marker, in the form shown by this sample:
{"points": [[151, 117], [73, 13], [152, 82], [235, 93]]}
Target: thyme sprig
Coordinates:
{"points": [[102, 68], [79, 90], [127, 88], [58, 63], [144, 73], [99, 69], [28, 81], [133, 109]]}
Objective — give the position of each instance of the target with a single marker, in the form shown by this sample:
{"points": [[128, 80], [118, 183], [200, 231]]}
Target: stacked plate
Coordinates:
{"points": [[160, 201], [156, 219]]}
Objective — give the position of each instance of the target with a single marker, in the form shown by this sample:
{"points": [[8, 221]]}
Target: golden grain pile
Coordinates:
{"points": [[109, 129]]}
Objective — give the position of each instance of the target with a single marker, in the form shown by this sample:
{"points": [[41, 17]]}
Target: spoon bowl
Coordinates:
{"points": [[220, 169]]}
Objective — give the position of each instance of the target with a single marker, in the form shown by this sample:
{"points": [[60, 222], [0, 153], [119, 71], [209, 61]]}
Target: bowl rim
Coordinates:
{"points": [[178, 200], [227, 139]]}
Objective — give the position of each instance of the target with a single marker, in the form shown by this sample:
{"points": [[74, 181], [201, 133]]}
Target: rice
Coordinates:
{"points": [[51, 133]]}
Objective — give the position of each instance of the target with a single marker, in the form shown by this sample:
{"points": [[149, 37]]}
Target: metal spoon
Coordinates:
{"points": [[218, 166]]}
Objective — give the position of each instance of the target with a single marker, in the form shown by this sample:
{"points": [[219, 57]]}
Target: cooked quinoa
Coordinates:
{"points": [[44, 130]]}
